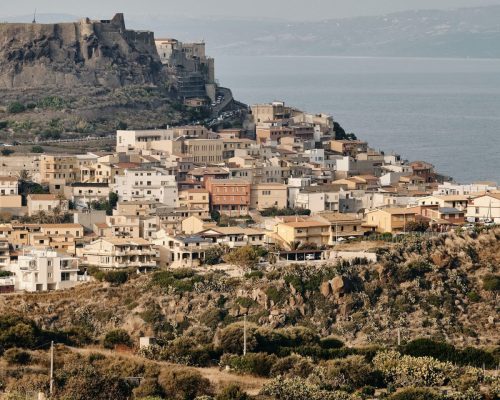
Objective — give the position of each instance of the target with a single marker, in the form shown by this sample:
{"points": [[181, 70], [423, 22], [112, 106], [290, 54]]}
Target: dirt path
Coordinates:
{"points": [[250, 384]]}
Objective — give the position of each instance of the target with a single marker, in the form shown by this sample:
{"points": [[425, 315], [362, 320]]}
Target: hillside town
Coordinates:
{"points": [[295, 184]]}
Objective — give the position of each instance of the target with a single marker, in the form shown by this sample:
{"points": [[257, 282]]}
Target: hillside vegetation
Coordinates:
{"points": [[340, 318]]}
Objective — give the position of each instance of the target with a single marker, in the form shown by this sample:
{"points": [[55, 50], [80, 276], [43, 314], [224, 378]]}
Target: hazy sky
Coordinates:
{"points": [[289, 9]]}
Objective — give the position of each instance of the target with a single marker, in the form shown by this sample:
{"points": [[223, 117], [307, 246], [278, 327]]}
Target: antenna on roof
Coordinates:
{"points": [[34, 17]]}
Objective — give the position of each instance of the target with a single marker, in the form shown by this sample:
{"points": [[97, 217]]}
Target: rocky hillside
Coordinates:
{"points": [[84, 53], [425, 288], [82, 77]]}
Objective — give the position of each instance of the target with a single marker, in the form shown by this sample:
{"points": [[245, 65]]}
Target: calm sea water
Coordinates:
{"points": [[445, 111]]}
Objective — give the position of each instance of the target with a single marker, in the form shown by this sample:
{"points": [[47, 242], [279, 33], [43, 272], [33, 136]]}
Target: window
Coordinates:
{"points": [[64, 276]]}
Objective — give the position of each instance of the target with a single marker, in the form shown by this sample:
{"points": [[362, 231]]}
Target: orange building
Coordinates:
{"points": [[272, 133], [229, 196]]}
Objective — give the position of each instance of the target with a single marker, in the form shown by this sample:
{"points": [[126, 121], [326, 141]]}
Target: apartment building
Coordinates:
{"points": [[58, 170], [83, 194], [120, 253], [44, 269], [348, 147], [195, 199], [181, 251], [391, 220], [270, 112], [308, 231], [229, 196], [204, 151], [268, 195], [341, 225], [272, 134], [147, 184], [9, 193]]}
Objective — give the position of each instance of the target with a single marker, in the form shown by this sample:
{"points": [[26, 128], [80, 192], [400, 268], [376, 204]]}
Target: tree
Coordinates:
{"points": [[245, 257], [232, 392], [417, 226], [213, 255]]}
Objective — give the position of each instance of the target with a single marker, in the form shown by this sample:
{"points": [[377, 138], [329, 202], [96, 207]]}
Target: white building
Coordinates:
{"points": [[484, 208], [147, 184], [453, 189], [45, 269]]}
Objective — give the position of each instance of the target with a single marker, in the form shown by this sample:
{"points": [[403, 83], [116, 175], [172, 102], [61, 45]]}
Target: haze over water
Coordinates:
{"points": [[445, 111]]}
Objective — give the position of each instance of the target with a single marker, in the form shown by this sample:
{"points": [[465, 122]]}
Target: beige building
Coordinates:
{"points": [[268, 195], [195, 199], [485, 208], [120, 253], [181, 251], [46, 203], [270, 112], [308, 231], [341, 225], [58, 170], [390, 220], [204, 151]]}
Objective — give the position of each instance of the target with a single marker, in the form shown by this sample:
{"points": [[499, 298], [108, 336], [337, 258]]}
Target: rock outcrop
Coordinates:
{"points": [[85, 53]]}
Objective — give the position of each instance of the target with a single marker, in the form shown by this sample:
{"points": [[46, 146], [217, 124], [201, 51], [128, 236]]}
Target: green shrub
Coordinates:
{"points": [[416, 394], [116, 337], [491, 283], [37, 149], [6, 152], [232, 392], [116, 277], [183, 384], [4, 124], [16, 108], [52, 102], [258, 364], [331, 343], [17, 357]]}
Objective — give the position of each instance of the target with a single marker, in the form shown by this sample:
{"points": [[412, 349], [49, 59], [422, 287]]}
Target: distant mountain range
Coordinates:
{"points": [[464, 32]]}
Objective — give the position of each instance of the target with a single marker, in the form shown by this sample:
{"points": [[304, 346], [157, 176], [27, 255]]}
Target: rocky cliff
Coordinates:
{"points": [[85, 53]]}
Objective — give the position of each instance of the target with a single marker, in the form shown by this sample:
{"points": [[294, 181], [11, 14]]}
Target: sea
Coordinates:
{"points": [[445, 111]]}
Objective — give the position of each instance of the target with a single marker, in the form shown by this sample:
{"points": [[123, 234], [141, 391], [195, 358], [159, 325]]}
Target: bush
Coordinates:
{"points": [[232, 392], [52, 102], [331, 343], [258, 364], [16, 108], [231, 338], [184, 384], [4, 124], [37, 149], [447, 352], [6, 152], [116, 337], [245, 257], [213, 255], [116, 277], [17, 357], [416, 394], [293, 366], [491, 283]]}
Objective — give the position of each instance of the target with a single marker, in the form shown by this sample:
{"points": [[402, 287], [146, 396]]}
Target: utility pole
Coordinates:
{"points": [[51, 368], [244, 335]]}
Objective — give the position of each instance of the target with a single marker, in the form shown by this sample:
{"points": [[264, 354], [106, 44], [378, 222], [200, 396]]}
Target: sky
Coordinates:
{"points": [[283, 9]]}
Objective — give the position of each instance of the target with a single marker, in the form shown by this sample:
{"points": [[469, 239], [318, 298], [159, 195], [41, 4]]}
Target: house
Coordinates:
{"points": [[4, 253], [192, 225], [443, 216], [234, 236], [46, 203], [341, 225], [485, 207], [58, 170], [308, 231], [119, 226], [268, 195], [391, 220], [460, 202], [45, 269], [120, 253], [229, 196], [181, 251]]}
